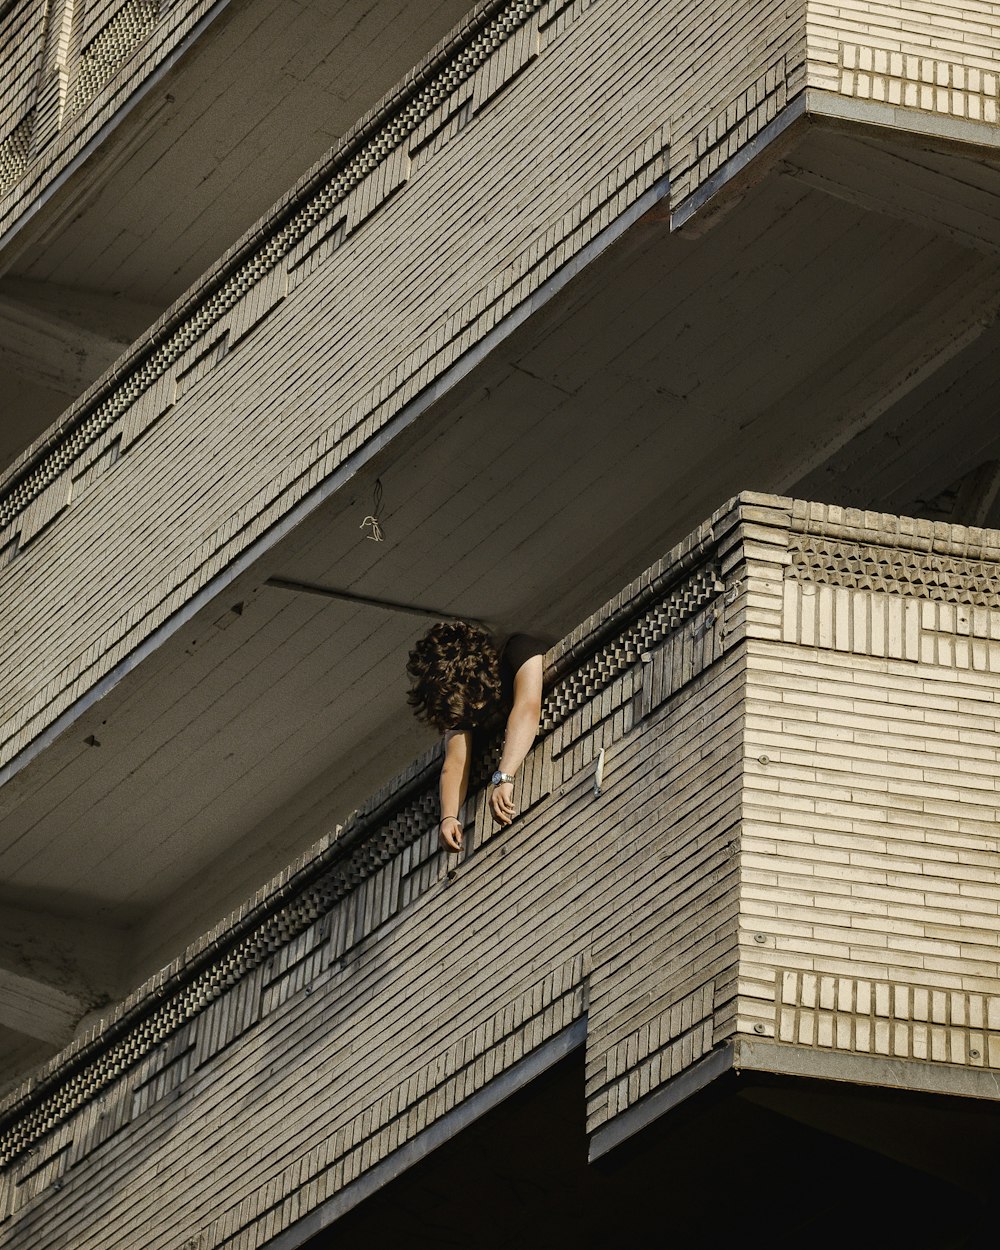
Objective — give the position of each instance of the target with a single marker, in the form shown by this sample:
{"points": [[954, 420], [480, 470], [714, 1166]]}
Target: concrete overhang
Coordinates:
{"points": [[820, 318], [916, 1166], [141, 141]]}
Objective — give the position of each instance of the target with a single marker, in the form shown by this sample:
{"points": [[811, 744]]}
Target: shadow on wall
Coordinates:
{"points": [[722, 1169]]}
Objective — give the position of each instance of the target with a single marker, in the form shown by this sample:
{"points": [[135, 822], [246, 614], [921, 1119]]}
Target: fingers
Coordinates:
{"points": [[499, 815], [502, 806], [450, 836]]}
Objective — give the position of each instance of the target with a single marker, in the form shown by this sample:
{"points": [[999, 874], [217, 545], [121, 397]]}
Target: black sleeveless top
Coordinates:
{"points": [[516, 650]]}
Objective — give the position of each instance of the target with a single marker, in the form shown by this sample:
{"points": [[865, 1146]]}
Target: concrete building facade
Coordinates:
{"points": [[579, 272]]}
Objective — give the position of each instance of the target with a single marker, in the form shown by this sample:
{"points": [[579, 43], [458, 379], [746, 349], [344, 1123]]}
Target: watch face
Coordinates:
{"points": [[497, 777]]}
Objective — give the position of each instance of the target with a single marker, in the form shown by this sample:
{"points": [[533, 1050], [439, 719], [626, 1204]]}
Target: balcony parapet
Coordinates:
{"points": [[400, 816], [789, 866]]}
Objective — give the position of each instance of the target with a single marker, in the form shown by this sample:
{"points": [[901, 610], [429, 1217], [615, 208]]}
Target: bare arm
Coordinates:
{"points": [[453, 786], [522, 728]]}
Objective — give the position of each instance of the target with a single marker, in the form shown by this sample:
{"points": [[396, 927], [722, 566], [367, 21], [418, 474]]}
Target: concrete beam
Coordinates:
{"points": [[63, 338], [37, 1010]]}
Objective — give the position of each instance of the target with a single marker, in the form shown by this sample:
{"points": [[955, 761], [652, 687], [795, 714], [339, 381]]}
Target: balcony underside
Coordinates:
{"points": [[828, 334], [520, 1174], [94, 245]]}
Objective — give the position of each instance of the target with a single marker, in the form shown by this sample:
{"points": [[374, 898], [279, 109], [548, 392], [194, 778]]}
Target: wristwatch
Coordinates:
{"points": [[498, 778]]}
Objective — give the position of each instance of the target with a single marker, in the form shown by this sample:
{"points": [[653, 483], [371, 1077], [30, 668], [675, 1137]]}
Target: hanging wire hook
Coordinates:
{"points": [[374, 517]]}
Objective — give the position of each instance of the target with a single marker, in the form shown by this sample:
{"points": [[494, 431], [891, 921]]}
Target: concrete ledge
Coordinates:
{"points": [[836, 107], [636, 1118], [698, 200], [916, 1075], [775, 1058], [822, 106]]}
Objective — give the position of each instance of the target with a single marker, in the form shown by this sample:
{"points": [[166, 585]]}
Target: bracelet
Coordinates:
{"points": [[444, 818]]}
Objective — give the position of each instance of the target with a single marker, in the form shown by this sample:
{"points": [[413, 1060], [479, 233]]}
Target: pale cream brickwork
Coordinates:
{"points": [[871, 897], [663, 96], [738, 67], [22, 34], [795, 843], [937, 57], [621, 97], [211, 366]]}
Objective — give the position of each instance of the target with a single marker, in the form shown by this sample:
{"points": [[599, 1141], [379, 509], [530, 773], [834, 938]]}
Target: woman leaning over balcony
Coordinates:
{"points": [[462, 683]]}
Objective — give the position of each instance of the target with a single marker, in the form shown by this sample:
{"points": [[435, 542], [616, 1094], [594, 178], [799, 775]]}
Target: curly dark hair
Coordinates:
{"points": [[455, 677]]}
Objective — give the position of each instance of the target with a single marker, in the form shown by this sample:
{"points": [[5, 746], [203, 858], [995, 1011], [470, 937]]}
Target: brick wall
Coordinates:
{"points": [[22, 36], [939, 57], [871, 875], [791, 862]]}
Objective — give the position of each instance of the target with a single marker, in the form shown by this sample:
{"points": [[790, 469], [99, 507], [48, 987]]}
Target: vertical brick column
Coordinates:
{"points": [[870, 885]]}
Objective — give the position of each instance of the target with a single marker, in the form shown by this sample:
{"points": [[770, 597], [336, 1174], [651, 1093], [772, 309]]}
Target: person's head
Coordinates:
{"points": [[455, 677]]}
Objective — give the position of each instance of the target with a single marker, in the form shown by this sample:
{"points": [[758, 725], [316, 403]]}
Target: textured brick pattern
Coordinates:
{"points": [[104, 55], [794, 839], [22, 32], [938, 57], [15, 150], [882, 1018], [666, 1045], [918, 82], [662, 992], [743, 118], [397, 859], [873, 746], [61, 90]]}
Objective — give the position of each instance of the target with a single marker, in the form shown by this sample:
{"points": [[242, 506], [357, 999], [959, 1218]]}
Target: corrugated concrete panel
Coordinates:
{"points": [[790, 866]]}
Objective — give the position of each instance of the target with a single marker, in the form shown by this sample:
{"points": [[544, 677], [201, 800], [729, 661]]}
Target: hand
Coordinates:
{"points": [[450, 833], [502, 803]]}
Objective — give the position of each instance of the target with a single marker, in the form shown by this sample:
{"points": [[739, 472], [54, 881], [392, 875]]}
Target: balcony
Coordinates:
{"points": [[757, 843], [139, 139], [554, 315]]}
